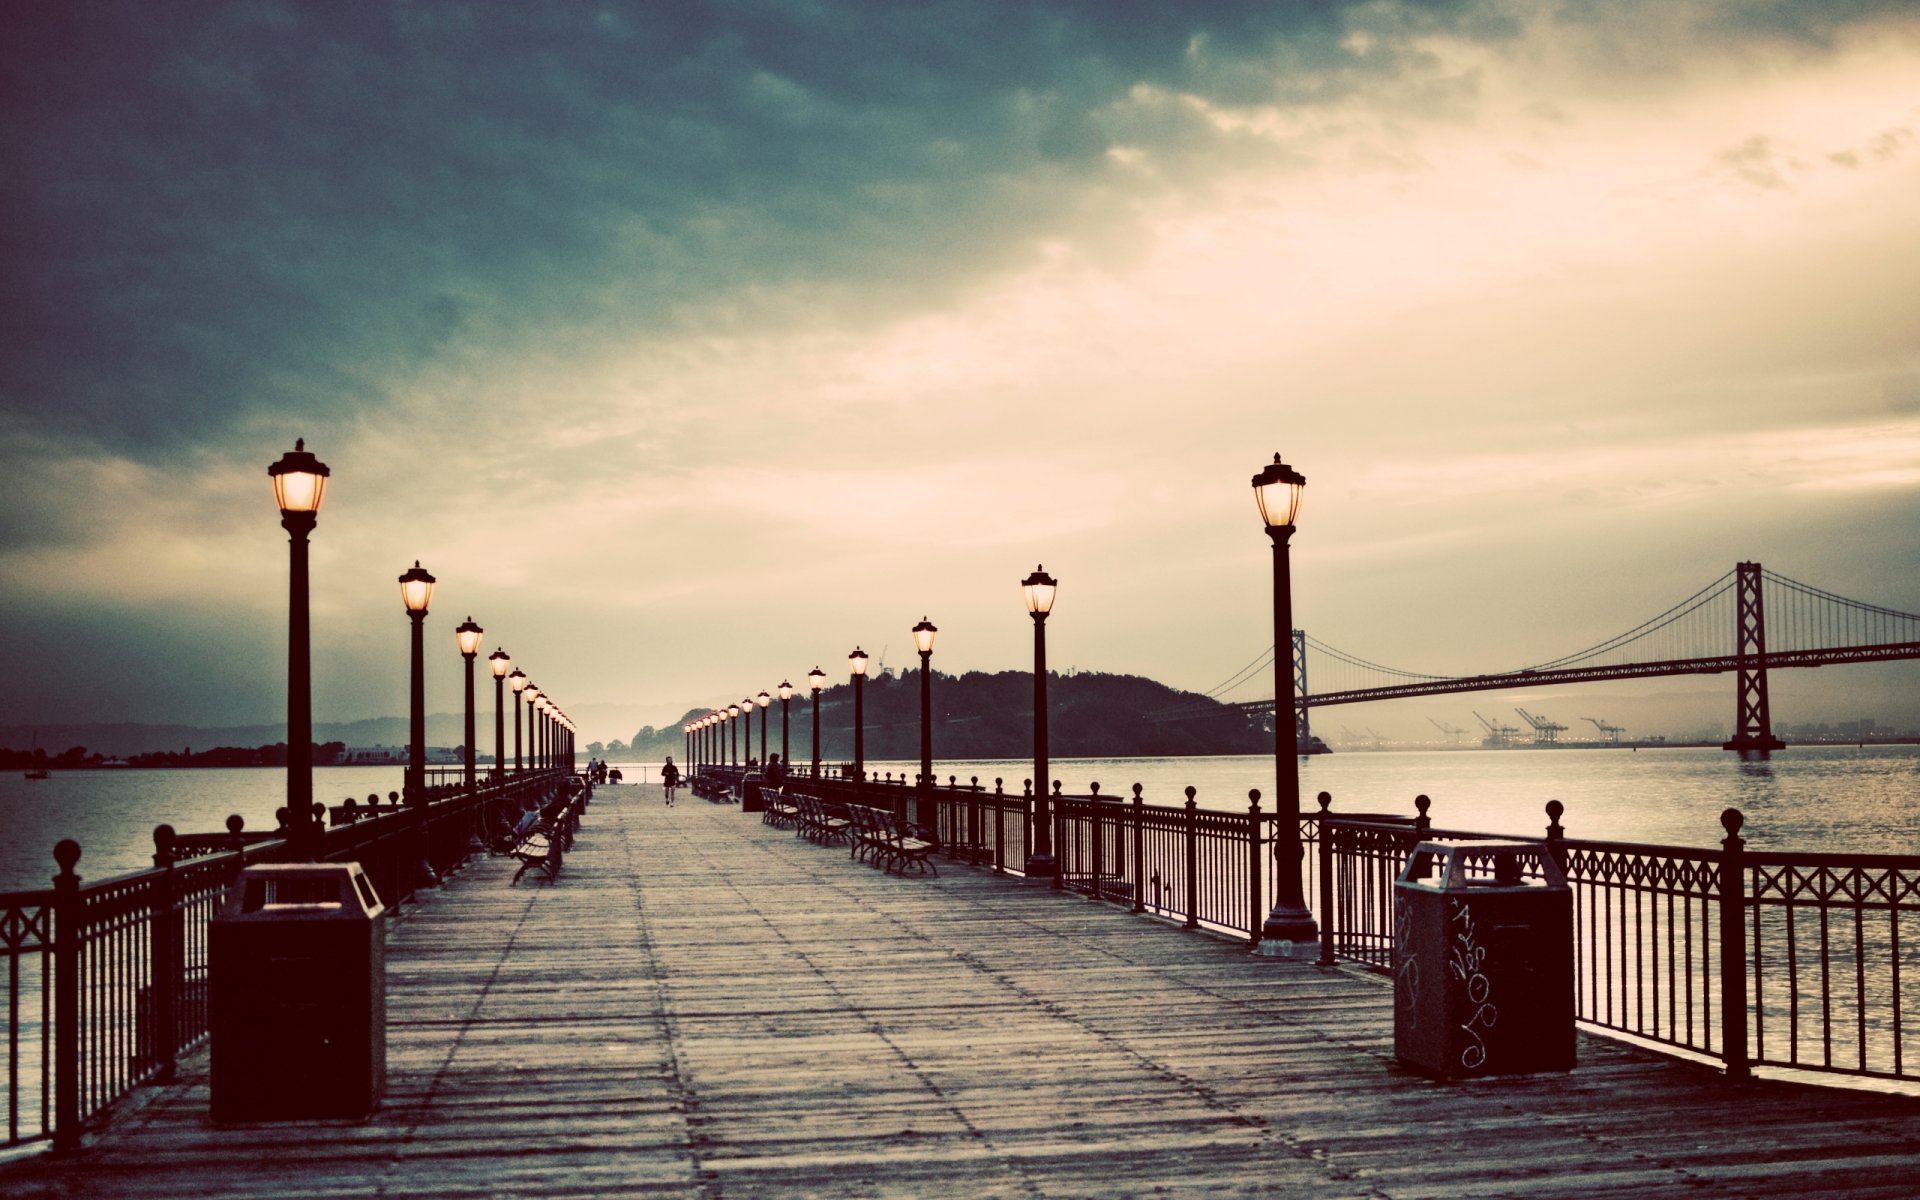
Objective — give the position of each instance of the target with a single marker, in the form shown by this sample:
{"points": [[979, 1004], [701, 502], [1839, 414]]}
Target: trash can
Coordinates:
{"points": [[299, 980], [1483, 960], [750, 798]]}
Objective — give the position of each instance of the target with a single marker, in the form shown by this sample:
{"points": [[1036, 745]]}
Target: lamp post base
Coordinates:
{"points": [[1288, 932], [1040, 866]]}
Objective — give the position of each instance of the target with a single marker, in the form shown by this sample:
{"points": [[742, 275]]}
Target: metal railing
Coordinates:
{"points": [[1783, 959], [106, 983]]}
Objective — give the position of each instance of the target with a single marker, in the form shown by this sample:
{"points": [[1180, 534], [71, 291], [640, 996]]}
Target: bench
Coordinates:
{"points": [[888, 840], [545, 843], [779, 808], [819, 821], [537, 849]]}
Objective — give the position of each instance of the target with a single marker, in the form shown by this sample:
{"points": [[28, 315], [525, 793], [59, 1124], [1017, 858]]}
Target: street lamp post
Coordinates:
{"points": [[540, 706], [518, 682], [786, 700], [299, 481], [467, 634], [816, 679], [1289, 929], [531, 694], [416, 591], [858, 661], [733, 736], [763, 699], [498, 662], [1039, 589], [923, 641]]}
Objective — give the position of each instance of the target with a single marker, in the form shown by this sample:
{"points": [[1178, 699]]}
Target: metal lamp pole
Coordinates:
{"points": [[531, 694], [416, 591], [763, 699], [858, 660], [786, 701], [816, 679], [299, 482], [1039, 589], [1289, 929], [518, 682], [923, 642], [498, 662], [467, 634]]}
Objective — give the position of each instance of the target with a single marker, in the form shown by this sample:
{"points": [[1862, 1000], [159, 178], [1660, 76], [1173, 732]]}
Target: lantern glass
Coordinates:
{"points": [[786, 690], [416, 588], [498, 662], [923, 636], [816, 679], [467, 634], [733, 711], [532, 691], [1277, 490], [299, 480], [859, 661], [1039, 588], [764, 699]]}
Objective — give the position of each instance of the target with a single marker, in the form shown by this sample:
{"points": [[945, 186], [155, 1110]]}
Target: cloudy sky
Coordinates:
{"points": [[691, 344]]}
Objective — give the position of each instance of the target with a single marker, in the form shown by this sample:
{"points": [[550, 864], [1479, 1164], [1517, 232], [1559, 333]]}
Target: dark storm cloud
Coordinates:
{"points": [[209, 210]]}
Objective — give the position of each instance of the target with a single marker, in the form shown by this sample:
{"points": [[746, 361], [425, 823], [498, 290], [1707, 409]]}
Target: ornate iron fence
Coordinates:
{"points": [[106, 983]]}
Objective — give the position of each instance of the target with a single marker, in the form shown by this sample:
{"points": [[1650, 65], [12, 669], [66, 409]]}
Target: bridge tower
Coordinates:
{"points": [[1303, 737], [1753, 721]]}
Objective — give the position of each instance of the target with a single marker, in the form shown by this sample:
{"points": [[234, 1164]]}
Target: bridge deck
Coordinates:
{"points": [[702, 1006]]}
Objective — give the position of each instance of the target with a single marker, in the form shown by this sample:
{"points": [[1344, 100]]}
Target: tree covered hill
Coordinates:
{"points": [[990, 715]]}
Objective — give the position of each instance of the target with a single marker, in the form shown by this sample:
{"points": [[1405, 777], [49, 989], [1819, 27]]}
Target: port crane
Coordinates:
{"points": [[1453, 732], [1610, 732], [1545, 732], [1499, 734]]}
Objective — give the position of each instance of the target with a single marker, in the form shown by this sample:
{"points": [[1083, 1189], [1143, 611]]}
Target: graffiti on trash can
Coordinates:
{"points": [[1406, 965], [1466, 961]]}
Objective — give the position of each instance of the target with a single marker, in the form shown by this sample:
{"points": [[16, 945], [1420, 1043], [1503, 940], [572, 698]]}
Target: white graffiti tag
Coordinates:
{"points": [[1466, 961]]}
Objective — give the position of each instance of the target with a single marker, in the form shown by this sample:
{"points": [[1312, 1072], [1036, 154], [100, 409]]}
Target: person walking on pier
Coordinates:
{"points": [[669, 779]]}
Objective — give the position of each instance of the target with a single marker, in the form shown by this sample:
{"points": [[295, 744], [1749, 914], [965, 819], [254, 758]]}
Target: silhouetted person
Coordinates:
{"points": [[669, 779]]}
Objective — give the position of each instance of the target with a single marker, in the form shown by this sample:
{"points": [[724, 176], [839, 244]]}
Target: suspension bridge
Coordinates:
{"points": [[1748, 621]]}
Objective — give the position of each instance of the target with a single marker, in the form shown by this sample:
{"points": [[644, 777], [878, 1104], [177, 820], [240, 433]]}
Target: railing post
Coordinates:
{"points": [[1193, 859], [1556, 834], [974, 846], [1139, 851], [1060, 839], [1099, 851], [999, 825], [163, 944], [1323, 840], [1733, 956], [66, 997], [1421, 821], [1256, 883]]}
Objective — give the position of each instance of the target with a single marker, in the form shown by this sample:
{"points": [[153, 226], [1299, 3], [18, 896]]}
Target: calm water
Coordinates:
{"points": [[111, 813], [1830, 798]]}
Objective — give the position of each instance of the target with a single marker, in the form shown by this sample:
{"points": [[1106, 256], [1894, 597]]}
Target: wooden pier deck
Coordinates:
{"points": [[704, 1006]]}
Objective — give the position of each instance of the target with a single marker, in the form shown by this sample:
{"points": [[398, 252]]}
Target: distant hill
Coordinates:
{"points": [[976, 715], [127, 739], [990, 715]]}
